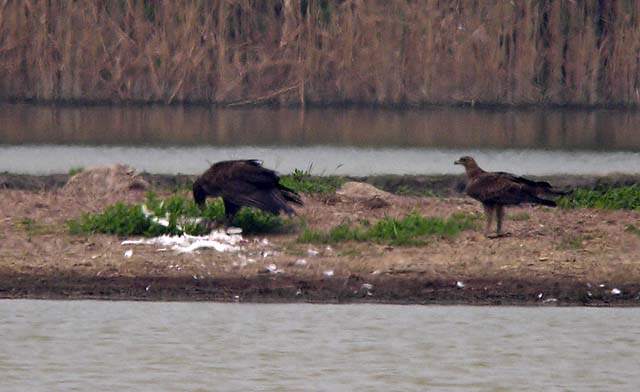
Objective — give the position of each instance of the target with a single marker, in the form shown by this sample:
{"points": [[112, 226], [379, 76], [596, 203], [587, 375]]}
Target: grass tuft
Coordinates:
{"points": [[523, 216], [412, 230], [75, 170], [621, 198], [303, 181], [632, 229]]}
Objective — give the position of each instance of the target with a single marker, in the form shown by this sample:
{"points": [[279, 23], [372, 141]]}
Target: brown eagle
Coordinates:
{"points": [[495, 190], [244, 183]]}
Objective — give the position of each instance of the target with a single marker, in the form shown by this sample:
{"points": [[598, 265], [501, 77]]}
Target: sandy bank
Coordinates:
{"points": [[554, 257]]}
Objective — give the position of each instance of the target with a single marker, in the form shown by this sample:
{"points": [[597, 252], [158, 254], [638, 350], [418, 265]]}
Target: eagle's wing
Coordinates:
{"points": [[522, 180], [247, 183], [497, 188]]}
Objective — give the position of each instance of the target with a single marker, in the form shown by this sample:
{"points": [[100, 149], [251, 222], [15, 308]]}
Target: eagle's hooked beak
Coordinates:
{"points": [[458, 162]]}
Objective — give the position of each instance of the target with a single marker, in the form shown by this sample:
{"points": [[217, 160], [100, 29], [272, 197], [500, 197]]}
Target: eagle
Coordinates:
{"points": [[495, 190], [244, 183]]}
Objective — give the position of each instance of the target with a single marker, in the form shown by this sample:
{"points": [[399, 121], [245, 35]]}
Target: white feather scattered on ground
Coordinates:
{"points": [[164, 220], [217, 240]]}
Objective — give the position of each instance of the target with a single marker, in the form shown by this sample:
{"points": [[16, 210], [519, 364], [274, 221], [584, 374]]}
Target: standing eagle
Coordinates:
{"points": [[495, 190], [244, 183]]}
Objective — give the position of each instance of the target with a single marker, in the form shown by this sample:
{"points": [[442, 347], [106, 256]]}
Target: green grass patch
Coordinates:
{"points": [[523, 216], [621, 198], [303, 181], [632, 229], [411, 230], [75, 170], [180, 213], [33, 228], [572, 242]]}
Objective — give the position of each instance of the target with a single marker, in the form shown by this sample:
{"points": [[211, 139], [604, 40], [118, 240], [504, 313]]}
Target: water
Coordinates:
{"points": [[115, 346], [160, 139]]}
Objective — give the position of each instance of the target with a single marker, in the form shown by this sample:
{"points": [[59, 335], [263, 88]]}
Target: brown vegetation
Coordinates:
{"points": [[308, 51]]}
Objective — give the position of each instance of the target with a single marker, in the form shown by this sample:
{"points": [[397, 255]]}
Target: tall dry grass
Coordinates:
{"points": [[322, 51]]}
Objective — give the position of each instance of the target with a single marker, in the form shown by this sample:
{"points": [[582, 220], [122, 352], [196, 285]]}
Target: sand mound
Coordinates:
{"points": [[361, 190], [105, 182], [367, 194]]}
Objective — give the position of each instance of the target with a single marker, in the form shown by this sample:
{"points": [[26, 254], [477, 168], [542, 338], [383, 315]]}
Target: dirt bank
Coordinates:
{"points": [[554, 257]]}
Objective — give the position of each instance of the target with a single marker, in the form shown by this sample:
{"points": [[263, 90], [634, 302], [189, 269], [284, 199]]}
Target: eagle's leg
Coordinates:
{"points": [[230, 211], [488, 213], [499, 219]]}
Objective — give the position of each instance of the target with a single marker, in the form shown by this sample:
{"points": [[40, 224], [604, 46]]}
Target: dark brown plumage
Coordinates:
{"points": [[495, 190], [244, 183]]}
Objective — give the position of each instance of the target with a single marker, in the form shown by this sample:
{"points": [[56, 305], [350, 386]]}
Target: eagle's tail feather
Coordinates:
{"points": [[544, 202], [290, 195]]}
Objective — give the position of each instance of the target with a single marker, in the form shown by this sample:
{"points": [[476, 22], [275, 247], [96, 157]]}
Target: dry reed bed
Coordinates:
{"points": [[297, 51]]}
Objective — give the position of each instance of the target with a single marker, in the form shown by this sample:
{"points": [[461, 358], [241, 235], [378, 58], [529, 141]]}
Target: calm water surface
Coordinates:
{"points": [[160, 139], [116, 346]]}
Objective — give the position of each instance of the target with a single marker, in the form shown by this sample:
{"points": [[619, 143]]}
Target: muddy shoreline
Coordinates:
{"points": [[554, 257], [291, 289]]}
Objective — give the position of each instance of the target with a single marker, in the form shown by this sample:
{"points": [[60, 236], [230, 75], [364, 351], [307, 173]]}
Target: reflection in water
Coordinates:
{"points": [[122, 346], [439, 127]]}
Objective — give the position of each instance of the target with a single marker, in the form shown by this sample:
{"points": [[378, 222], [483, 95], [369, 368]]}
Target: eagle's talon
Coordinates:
{"points": [[498, 235]]}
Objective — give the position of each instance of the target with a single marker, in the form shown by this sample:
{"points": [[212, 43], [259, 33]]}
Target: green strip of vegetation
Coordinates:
{"points": [[621, 198], [409, 231], [181, 215], [303, 181], [75, 170]]}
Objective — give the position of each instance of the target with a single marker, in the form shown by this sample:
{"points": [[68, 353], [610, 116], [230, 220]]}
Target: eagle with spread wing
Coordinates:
{"points": [[244, 183], [495, 190]]}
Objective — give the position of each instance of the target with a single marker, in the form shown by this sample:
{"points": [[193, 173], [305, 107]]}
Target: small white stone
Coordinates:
{"points": [[272, 268], [301, 262], [366, 286], [312, 252], [459, 285], [328, 273], [128, 253], [616, 291], [540, 296]]}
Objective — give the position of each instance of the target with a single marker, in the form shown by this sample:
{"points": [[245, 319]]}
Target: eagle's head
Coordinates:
{"points": [[199, 194], [470, 166], [466, 161]]}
